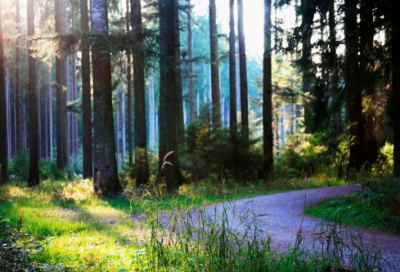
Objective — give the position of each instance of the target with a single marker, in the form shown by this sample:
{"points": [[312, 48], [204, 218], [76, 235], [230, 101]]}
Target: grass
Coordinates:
{"points": [[356, 210], [81, 232]]}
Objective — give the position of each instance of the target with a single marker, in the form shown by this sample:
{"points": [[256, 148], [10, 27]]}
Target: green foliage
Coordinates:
{"points": [[19, 165], [376, 207]]}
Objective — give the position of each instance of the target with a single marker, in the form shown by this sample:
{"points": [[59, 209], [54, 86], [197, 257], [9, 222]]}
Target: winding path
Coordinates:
{"points": [[285, 215]]}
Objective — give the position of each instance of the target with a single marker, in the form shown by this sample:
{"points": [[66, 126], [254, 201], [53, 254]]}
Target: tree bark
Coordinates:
{"points": [[244, 100], [50, 113], [61, 93], [367, 64], [105, 165], [190, 56], [129, 82], [3, 113], [75, 142], [179, 87], [123, 115], [354, 94], [267, 97], [142, 173], [18, 77], [168, 100], [86, 98], [232, 73], [396, 88], [34, 178], [216, 104], [308, 11]]}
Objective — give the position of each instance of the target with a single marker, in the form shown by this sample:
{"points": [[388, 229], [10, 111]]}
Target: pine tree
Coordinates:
{"points": [[105, 165], [396, 85], [3, 113], [232, 72]]}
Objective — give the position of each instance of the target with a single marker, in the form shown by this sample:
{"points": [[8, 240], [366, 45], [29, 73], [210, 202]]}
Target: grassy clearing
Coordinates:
{"points": [[374, 208]]}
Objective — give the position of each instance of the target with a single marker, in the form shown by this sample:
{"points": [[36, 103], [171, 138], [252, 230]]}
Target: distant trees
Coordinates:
{"points": [[105, 165], [396, 85]]}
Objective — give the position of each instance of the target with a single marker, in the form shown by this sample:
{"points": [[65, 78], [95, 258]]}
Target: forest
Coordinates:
{"points": [[199, 135]]}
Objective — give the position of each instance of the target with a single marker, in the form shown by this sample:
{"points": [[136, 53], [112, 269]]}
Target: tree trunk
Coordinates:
{"points": [[267, 97], [337, 118], [168, 100], [354, 94], [308, 11], [105, 165], [3, 112], [129, 82], [34, 178], [123, 115], [142, 173], [86, 98], [18, 76], [396, 90], [61, 93], [179, 87], [232, 73], [152, 111], [190, 56], [75, 142], [367, 30], [50, 113], [117, 125], [216, 104], [244, 100]]}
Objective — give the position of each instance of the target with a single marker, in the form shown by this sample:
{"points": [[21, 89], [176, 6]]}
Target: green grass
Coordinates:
{"points": [[83, 232], [356, 210]]}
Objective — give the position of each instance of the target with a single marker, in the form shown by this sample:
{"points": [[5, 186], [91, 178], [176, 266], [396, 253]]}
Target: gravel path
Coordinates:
{"points": [[285, 214]]}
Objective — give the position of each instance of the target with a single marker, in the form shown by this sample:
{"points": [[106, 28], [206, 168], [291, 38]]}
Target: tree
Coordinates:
{"points": [[61, 89], [216, 104], [232, 72], [18, 77], [129, 83], [86, 98], [267, 97], [396, 87], [367, 64], [105, 165], [178, 60], [3, 113], [307, 10], [190, 55], [33, 179], [168, 99], [142, 173], [353, 90], [244, 100]]}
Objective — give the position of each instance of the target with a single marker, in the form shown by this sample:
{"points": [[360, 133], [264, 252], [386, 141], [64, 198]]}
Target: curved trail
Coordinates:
{"points": [[285, 215]]}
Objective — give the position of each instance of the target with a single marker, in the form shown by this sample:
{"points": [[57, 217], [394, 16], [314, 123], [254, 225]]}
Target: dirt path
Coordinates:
{"points": [[285, 214]]}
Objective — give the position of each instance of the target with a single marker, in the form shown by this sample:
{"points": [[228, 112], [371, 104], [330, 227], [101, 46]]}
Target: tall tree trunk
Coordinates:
{"points": [[216, 104], [152, 111], [129, 82], [61, 93], [307, 10], [50, 113], [86, 98], [8, 108], [34, 178], [232, 72], [105, 165], [277, 130], [354, 94], [168, 100], [337, 118], [142, 173], [190, 56], [367, 64], [123, 115], [3, 112], [396, 88], [244, 100], [18, 76], [179, 87], [267, 97], [117, 125], [75, 142]]}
